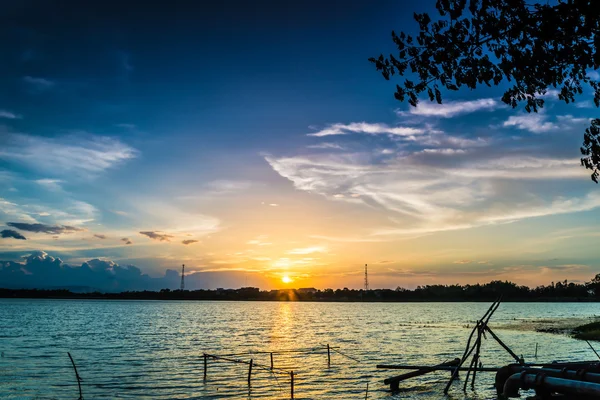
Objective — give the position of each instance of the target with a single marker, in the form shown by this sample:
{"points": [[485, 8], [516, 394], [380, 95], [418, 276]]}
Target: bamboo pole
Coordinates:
{"points": [[275, 370], [488, 314], [455, 372], [394, 381], [591, 347], [249, 372], [292, 384], [205, 364], [501, 343], [473, 358], [328, 356], [476, 360], [76, 377], [436, 368]]}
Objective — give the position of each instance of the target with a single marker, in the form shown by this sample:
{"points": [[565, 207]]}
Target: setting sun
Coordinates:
{"points": [[286, 279]]}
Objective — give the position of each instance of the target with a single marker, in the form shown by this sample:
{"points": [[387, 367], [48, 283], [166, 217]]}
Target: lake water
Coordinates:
{"points": [[153, 350]]}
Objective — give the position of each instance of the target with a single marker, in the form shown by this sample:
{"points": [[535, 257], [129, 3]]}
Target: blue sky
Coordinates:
{"points": [[259, 134]]}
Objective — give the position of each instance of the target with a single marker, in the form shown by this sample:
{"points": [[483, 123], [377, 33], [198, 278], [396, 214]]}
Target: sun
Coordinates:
{"points": [[286, 279]]}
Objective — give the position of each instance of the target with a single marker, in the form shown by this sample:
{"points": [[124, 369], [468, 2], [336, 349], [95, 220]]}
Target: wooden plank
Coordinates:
{"points": [[394, 381]]}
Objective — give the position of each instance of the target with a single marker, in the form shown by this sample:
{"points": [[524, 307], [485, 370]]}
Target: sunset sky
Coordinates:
{"points": [[253, 141]]}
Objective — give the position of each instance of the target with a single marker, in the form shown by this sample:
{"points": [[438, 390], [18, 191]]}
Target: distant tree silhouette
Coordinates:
{"points": [[484, 42], [560, 291]]}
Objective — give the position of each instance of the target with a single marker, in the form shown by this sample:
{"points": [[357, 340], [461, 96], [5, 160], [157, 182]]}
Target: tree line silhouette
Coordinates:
{"points": [[556, 291]]}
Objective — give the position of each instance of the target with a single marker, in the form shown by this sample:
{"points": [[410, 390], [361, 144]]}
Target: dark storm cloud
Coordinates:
{"points": [[186, 242], [157, 236], [43, 228], [100, 236], [126, 240], [9, 233], [42, 271]]}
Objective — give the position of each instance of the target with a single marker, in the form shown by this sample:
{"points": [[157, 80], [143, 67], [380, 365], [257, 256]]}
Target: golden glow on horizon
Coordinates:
{"points": [[286, 279]]}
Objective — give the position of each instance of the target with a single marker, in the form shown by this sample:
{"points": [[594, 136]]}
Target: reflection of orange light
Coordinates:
{"points": [[286, 279]]}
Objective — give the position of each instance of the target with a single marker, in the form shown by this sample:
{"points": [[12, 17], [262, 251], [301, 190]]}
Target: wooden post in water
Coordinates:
{"points": [[476, 359], [328, 356], [76, 376], [205, 362], [271, 361], [249, 372], [536, 346], [292, 384]]}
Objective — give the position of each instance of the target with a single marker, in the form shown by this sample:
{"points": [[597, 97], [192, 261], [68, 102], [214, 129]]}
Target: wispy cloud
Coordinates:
{"points": [[451, 108], [541, 123], [70, 212], [50, 184], [308, 250], [78, 154], [189, 241], [126, 126], [441, 182], [162, 237], [533, 122], [39, 84], [367, 128], [9, 115], [585, 104], [220, 188], [126, 240], [261, 240], [100, 236], [326, 146], [593, 75]]}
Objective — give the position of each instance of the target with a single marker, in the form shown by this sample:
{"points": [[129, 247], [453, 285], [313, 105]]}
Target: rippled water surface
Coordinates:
{"points": [[153, 350]]}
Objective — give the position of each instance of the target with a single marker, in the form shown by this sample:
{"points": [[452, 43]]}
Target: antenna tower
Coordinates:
{"points": [[366, 278], [182, 277]]}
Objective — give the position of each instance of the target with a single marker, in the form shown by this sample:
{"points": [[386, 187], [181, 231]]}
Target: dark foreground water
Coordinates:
{"points": [[153, 350]]}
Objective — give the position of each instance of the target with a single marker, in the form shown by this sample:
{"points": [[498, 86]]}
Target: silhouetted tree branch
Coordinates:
{"points": [[534, 46]]}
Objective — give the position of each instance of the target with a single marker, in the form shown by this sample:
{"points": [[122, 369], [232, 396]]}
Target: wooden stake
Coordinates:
{"points": [[292, 384], [271, 361], [476, 360], [474, 356], [328, 356], [249, 372], [536, 346], [76, 376], [367, 393]]}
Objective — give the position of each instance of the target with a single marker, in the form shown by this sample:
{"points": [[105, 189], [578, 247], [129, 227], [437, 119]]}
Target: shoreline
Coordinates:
{"points": [[109, 296], [289, 295], [581, 328]]}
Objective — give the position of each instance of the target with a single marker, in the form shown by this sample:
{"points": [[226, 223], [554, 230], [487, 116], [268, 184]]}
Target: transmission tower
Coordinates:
{"points": [[366, 278], [182, 277]]}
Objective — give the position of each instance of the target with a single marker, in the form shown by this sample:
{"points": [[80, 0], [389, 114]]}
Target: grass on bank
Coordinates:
{"points": [[589, 331]]}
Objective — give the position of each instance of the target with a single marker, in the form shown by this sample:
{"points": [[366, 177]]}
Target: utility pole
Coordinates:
{"points": [[182, 277]]}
